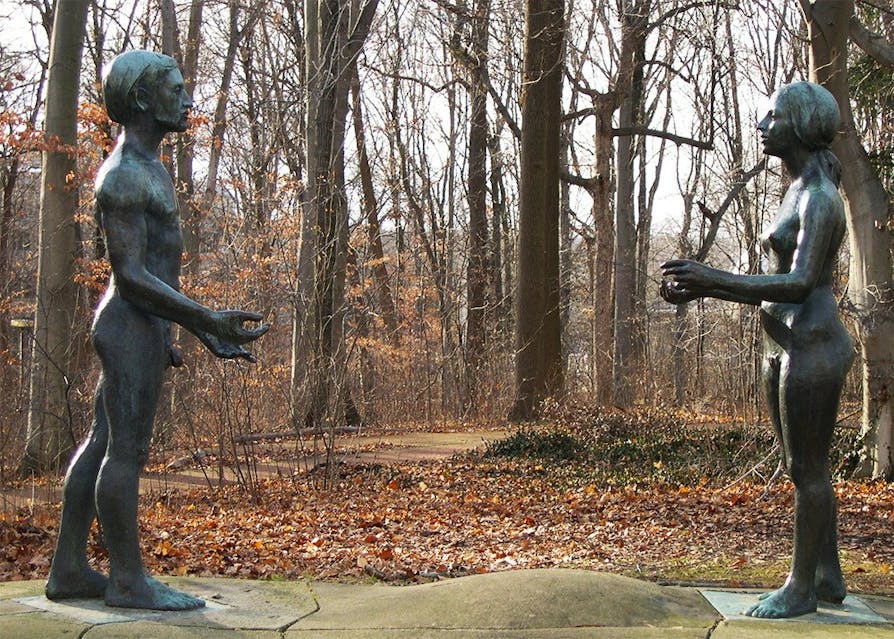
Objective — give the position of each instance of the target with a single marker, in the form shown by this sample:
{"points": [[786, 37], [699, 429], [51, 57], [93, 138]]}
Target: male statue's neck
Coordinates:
{"points": [[144, 137]]}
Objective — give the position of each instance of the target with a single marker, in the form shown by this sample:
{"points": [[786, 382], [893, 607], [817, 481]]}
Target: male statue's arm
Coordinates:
{"points": [[124, 225], [670, 293]]}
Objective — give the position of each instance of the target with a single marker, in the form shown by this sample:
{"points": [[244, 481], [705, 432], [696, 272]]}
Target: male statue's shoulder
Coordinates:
{"points": [[120, 182]]}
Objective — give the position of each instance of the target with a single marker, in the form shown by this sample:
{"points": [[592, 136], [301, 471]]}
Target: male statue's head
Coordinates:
{"points": [[141, 82]]}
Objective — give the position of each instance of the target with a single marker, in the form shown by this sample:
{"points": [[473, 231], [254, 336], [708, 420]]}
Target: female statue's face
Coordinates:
{"points": [[777, 132]]}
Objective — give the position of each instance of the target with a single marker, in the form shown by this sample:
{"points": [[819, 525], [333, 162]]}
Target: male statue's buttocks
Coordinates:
{"points": [[136, 209]]}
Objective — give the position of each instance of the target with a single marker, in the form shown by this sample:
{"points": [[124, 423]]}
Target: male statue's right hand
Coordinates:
{"points": [[229, 326], [673, 295], [224, 349]]}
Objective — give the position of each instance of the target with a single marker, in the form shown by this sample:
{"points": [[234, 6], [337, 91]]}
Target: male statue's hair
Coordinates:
{"points": [[126, 74]]}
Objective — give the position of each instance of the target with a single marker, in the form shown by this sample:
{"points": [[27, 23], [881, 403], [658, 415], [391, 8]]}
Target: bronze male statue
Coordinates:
{"points": [[136, 208], [807, 351]]}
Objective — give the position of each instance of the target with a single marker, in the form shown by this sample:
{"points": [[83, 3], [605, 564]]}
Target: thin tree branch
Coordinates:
{"points": [[687, 7], [715, 217], [673, 137], [873, 44], [578, 180], [580, 113], [501, 106]]}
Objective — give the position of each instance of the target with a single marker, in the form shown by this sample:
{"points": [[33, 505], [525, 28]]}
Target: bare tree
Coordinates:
{"points": [[870, 285], [50, 437], [334, 42], [477, 271], [538, 363]]}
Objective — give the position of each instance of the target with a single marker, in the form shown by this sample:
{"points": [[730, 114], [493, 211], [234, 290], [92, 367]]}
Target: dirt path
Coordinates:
{"points": [[352, 449]]}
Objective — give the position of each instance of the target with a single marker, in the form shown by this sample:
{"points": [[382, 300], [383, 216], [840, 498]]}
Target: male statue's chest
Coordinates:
{"points": [[163, 218]]}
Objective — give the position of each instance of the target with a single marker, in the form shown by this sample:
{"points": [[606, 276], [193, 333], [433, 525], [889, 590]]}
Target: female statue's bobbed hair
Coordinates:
{"points": [[815, 118]]}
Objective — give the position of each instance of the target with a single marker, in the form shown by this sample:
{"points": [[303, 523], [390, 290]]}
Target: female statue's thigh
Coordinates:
{"points": [[810, 383]]}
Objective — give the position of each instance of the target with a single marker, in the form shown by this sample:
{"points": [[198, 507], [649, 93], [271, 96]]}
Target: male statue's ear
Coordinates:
{"points": [[141, 98]]}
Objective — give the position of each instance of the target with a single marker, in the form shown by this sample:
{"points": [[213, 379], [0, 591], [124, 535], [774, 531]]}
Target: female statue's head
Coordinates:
{"points": [[129, 73], [812, 111], [805, 115]]}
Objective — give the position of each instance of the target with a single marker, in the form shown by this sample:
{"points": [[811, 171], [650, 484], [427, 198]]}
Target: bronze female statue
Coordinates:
{"points": [[136, 208], [807, 351]]}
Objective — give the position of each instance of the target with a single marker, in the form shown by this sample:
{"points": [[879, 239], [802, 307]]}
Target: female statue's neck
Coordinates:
{"points": [[801, 161]]}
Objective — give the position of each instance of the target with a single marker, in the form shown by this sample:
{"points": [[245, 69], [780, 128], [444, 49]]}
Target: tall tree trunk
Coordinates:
{"points": [[169, 46], [50, 437], [338, 44], [603, 254], [870, 277], [477, 271], [565, 246], [8, 181], [190, 213], [192, 244], [302, 324], [538, 363], [498, 220], [630, 86], [323, 198], [371, 210]]}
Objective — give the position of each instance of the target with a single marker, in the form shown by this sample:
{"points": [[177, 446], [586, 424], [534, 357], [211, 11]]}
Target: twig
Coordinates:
{"points": [[754, 468], [290, 434], [772, 480]]}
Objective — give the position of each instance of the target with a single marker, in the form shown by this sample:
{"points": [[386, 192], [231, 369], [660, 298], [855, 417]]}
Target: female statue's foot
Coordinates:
{"points": [[151, 594], [783, 603], [829, 582], [78, 583]]}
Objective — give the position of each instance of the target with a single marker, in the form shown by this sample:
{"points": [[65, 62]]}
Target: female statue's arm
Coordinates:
{"points": [[817, 226], [676, 295]]}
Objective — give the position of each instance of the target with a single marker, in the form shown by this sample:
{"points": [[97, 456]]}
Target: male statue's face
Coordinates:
{"points": [[172, 102]]}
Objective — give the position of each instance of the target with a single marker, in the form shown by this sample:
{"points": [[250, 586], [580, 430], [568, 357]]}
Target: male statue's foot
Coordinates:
{"points": [[150, 594], [79, 583], [782, 604], [831, 590]]}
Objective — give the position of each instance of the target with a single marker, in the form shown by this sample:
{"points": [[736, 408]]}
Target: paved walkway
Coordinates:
{"points": [[533, 604]]}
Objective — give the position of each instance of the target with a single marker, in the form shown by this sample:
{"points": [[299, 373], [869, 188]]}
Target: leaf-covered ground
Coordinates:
{"points": [[476, 514]]}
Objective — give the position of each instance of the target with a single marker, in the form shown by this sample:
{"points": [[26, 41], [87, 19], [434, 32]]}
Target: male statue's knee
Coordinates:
{"points": [[796, 471], [142, 455]]}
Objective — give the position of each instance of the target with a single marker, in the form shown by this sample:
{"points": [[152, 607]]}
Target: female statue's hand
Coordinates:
{"points": [[673, 295], [689, 275]]}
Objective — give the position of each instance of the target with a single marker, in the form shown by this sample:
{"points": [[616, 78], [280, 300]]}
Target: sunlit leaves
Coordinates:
{"points": [[462, 516]]}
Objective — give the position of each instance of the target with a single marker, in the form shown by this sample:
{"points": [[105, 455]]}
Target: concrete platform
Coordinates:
{"points": [[547, 604]]}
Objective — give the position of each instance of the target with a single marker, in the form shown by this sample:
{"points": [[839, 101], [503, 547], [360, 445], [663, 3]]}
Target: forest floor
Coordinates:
{"points": [[655, 496]]}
